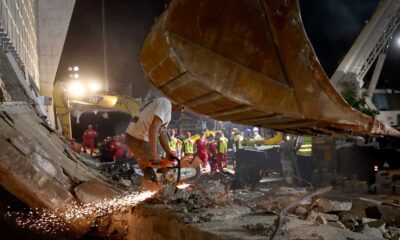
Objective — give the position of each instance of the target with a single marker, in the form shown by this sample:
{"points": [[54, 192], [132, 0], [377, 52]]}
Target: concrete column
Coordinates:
{"points": [[53, 18]]}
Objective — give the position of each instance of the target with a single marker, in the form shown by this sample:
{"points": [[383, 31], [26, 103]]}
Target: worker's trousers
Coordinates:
{"points": [[89, 144], [217, 163], [141, 152]]}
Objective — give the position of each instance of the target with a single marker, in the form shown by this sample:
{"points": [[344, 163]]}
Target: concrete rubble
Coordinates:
{"points": [[208, 211], [231, 216]]}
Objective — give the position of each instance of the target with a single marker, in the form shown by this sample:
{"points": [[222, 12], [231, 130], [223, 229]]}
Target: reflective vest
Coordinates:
{"points": [[179, 144], [222, 145], [188, 144], [306, 147], [237, 140], [173, 143]]}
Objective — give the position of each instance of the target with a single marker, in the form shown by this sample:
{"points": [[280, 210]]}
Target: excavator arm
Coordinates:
{"points": [[249, 62]]}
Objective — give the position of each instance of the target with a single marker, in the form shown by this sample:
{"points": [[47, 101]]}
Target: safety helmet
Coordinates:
{"points": [[255, 129]]}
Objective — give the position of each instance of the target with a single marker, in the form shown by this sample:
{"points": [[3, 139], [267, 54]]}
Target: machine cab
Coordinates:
{"points": [[388, 104]]}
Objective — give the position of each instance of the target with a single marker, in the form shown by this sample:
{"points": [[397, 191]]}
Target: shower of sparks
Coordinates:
{"points": [[183, 185], [60, 220]]}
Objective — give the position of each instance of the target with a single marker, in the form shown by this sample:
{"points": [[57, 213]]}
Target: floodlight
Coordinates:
{"points": [[76, 89], [94, 87]]}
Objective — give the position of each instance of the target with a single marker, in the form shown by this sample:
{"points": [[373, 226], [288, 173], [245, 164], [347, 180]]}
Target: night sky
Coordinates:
{"points": [[332, 26], [127, 24]]}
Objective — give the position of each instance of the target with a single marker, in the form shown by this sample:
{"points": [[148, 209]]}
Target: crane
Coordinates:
{"points": [[370, 47]]}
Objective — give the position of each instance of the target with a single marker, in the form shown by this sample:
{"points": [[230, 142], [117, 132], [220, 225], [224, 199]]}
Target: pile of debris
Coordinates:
{"points": [[377, 219], [253, 212]]}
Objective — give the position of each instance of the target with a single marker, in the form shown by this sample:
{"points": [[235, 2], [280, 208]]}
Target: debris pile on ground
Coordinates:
{"points": [[210, 205]]}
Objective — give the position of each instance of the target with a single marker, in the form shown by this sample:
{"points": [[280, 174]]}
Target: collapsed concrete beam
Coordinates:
{"points": [[36, 169]]}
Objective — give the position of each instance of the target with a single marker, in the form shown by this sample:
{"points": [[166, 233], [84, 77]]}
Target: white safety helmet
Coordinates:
{"points": [[255, 129]]}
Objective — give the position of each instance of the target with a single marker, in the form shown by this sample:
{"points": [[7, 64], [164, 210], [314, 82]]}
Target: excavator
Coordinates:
{"points": [[251, 65], [64, 102]]}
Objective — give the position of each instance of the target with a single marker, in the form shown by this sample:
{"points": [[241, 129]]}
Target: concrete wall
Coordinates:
{"points": [[156, 222], [53, 18], [52, 26]]}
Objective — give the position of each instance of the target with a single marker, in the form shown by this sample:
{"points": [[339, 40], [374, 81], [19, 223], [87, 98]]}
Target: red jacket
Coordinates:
{"points": [[116, 150], [212, 149], [201, 146], [89, 135]]}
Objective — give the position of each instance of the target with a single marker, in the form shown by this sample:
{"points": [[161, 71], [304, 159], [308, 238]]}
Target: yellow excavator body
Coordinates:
{"points": [[64, 103]]}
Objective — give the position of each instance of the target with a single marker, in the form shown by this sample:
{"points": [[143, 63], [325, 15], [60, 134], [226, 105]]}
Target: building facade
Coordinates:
{"points": [[19, 34], [32, 36]]}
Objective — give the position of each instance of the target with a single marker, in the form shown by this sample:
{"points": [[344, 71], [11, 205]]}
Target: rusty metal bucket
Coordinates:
{"points": [[249, 62]]}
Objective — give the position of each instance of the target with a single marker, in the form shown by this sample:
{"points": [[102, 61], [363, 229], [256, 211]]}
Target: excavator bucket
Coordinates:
{"points": [[248, 62]]}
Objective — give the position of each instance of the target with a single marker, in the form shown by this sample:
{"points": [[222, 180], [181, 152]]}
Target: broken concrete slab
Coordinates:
{"points": [[28, 183], [371, 231], [362, 202], [225, 213], [395, 237], [320, 220], [352, 215], [323, 205], [337, 224], [394, 230], [376, 224], [390, 214], [338, 206], [35, 169], [149, 222], [299, 229], [214, 189], [93, 191], [4, 96], [283, 191], [312, 216], [300, 211]]}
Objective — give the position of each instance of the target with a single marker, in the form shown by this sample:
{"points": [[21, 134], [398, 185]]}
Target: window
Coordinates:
{"points": [[381, 101]]}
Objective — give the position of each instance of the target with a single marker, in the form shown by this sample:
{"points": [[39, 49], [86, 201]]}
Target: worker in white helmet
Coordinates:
{"points": [[256, 134]]}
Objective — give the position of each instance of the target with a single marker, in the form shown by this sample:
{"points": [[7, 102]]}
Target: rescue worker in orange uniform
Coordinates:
{"points": [[201, 150], [213, 155], [116, 149], [88, 139]]}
